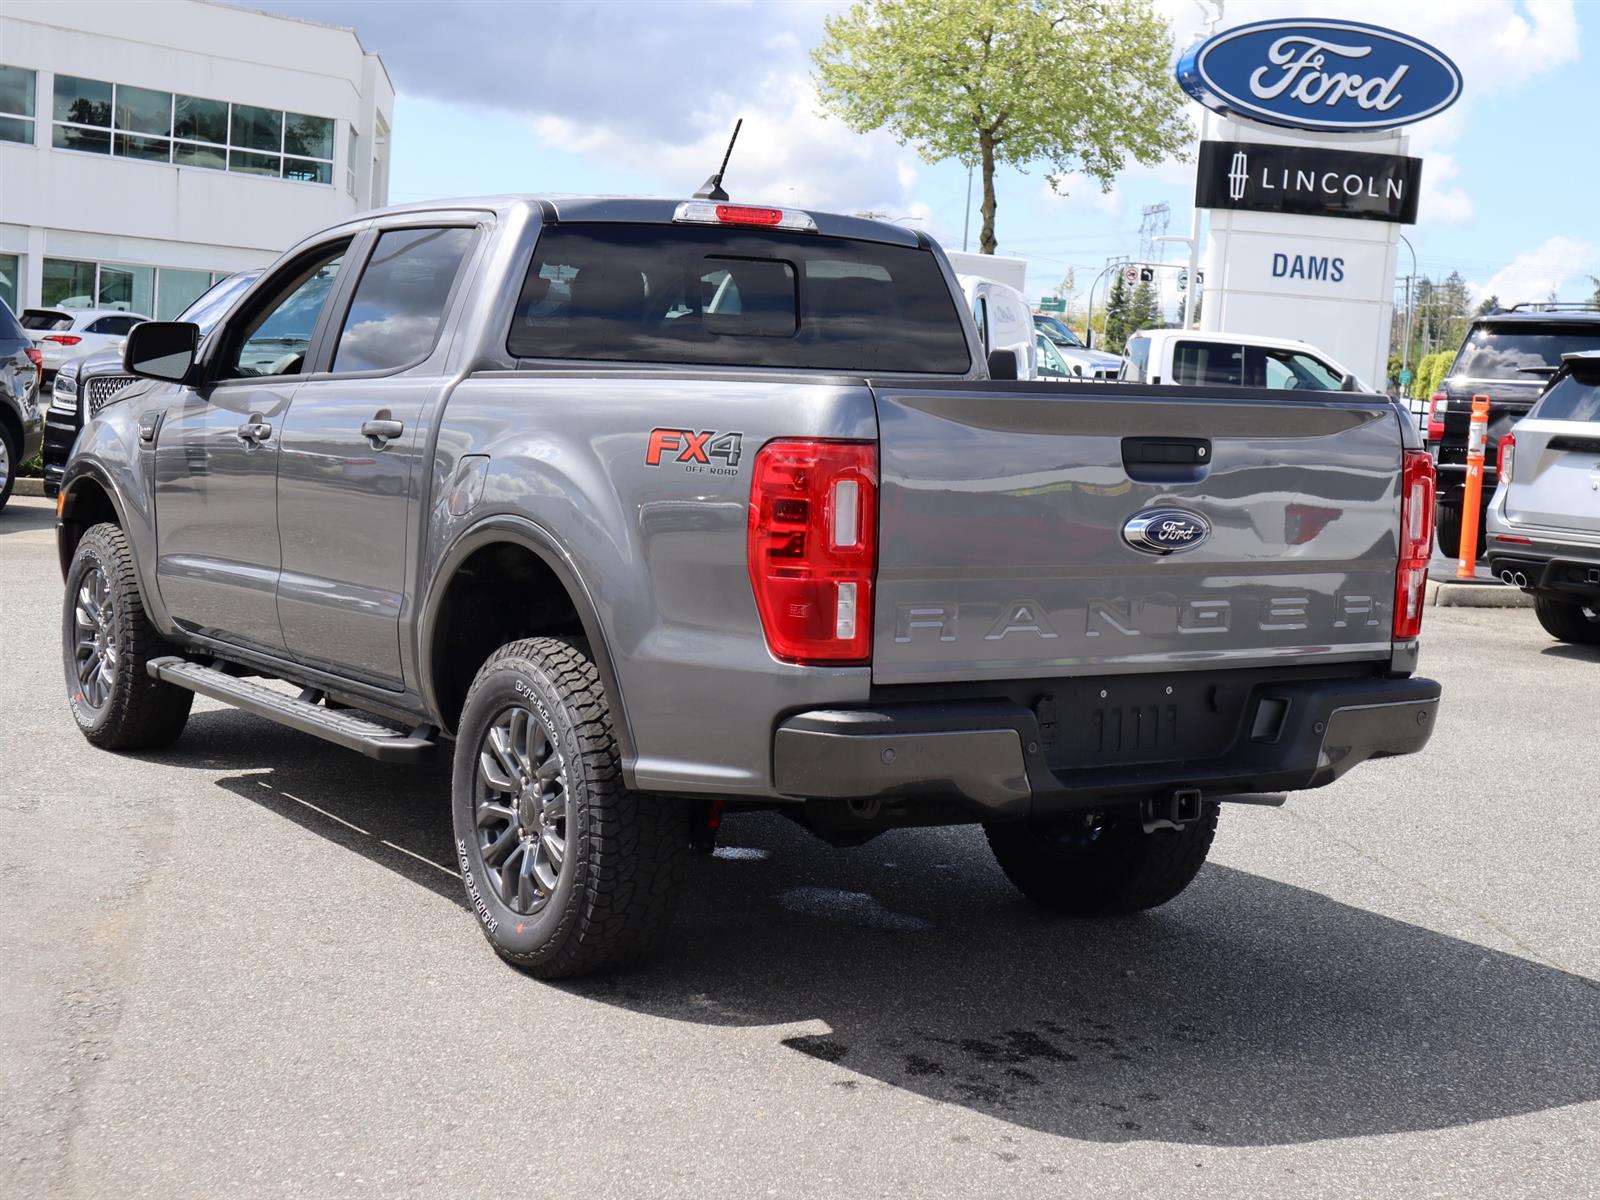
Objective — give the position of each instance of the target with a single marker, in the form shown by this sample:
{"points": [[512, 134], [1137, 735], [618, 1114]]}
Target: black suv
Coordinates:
{"points": [[1508, 356]]}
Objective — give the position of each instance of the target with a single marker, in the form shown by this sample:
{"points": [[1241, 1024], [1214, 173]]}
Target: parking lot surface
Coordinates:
{"points": [[243, 967]]}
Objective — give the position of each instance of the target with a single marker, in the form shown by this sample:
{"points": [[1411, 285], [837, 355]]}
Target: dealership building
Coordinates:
{"points": [[150, 147]]}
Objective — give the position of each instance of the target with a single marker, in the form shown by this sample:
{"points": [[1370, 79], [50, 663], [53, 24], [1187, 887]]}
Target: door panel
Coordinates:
{"points": [[217, 532], [342, 513]]}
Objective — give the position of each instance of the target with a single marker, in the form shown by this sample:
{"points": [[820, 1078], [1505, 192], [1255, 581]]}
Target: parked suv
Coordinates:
{"points": [[20, 419], [83, 386], [657, 508], [1544, 519], [1508, 356], [63, 334]]}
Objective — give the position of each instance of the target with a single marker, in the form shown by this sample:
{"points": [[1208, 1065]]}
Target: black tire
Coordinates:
{"points": [[1447, 529], [624, 855], [129, 710], [9, 466], [1569, 621], [1101, 864]]}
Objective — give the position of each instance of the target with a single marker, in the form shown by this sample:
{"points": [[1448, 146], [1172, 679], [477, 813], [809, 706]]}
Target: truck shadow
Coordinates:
{"points": [[1248, 1012]]}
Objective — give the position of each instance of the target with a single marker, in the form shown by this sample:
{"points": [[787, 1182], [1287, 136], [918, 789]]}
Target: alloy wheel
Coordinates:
{"points": [[520, 809], [94, 638]]}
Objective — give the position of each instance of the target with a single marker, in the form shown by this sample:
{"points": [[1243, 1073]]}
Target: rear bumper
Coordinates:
{"points": [[987, 756], [1557, 569]]}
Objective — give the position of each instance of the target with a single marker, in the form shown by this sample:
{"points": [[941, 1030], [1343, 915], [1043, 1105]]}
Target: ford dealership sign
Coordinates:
{"points": [[1323, 75]]}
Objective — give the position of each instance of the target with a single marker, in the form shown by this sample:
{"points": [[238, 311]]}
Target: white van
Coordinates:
{"points": [[1216, 359], [1004, 320]]}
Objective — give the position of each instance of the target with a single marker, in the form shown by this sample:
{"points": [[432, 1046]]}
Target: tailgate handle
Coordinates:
{"points": [[1166, 459]]}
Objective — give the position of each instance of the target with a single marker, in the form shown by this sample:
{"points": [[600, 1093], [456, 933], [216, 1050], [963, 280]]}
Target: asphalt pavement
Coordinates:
{"points": [[242, 967]]}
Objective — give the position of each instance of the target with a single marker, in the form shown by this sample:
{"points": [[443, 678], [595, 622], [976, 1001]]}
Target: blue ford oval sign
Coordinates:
{"points": [[1165, 530], [1325, 75]]}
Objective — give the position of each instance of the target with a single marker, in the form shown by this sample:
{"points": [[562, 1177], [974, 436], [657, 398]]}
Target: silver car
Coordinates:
{"points": [[1544, 520]]}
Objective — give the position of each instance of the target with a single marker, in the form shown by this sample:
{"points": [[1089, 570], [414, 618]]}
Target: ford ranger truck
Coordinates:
{"points": [[653, 510]]}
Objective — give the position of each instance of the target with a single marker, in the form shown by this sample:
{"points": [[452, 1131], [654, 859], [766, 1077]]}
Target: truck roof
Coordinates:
{"points": [[555, 206], [1542, 316]]}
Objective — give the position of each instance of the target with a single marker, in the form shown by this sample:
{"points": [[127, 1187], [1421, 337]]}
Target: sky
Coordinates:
{"points": [[639, 96]]}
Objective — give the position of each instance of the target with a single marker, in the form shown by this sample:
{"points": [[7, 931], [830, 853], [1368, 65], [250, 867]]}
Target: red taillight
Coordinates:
{"points": [[1504, 461], [1416, 542], [744, 214], [35, 356], [813, 547], [64, 339], [1436, 410]]}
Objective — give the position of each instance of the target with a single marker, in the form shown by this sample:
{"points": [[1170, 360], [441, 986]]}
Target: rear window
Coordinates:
{"points": [[722, 297], [45, 319], [1571, 398], [1208, 364], [1522, 350]]}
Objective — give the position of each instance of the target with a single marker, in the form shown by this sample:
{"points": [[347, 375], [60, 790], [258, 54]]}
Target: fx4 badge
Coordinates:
{"points": [[695, 451], [1165, 530]]}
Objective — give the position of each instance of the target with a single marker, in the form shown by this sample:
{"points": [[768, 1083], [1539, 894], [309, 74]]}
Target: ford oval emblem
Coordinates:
{"points": [[1165, 530], [1335, 75]]}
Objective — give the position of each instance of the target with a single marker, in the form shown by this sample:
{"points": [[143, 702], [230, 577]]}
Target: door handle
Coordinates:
{"points": [[254, 431], [382, 428]]}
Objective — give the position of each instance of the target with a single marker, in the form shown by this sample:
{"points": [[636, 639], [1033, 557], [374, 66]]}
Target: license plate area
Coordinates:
{"points": [[1119, 720]]}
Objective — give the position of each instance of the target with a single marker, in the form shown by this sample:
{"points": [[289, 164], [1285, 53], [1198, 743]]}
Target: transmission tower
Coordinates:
{"points": [[1152, 227]]}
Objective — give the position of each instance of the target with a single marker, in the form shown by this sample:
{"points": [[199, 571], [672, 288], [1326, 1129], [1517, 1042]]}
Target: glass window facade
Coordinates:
{"points": [[176, 290], [132, 289], [10, 264], [162, 292], [189, 131], [68, 283], [17, 87]]}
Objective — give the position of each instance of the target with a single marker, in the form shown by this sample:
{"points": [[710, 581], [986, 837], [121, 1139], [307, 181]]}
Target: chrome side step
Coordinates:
{"points": [[345, 729]]}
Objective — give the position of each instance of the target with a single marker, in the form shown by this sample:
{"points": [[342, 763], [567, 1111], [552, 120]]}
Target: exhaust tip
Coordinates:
{"points": [[1505, 577], [1520, 579]]}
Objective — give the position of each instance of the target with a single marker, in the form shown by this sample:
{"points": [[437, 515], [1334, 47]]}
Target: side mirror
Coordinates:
{"points": [[161, 350], [1002, 364]]}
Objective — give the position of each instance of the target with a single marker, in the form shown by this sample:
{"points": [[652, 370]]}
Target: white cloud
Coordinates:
{"points": [[1081, 192], [1439, 203], [1550, 266]]}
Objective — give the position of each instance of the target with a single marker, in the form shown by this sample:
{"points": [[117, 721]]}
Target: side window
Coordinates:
{"points": [[1214, 364], [1137, 360], [120, 325], [103, 325], [398, 306], [277, 336], [980, 314], [1289, 369]]}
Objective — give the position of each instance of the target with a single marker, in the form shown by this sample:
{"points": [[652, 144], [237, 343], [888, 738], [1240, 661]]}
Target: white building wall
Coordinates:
{"points": [[106, 208]]}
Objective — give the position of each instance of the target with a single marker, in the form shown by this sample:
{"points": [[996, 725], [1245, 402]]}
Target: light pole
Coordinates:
{"points": [[966, 218], [1405, 350], [1113, 264]]}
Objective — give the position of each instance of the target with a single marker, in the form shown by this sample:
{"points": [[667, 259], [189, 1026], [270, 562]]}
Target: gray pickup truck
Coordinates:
{"points": [[658, 509]]}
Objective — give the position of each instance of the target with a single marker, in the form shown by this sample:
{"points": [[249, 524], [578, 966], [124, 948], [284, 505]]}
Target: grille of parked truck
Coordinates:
{"points": [[654, 509]]}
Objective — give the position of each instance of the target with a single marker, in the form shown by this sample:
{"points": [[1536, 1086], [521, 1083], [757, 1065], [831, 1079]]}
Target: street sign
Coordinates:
{"points": [[1183, 279], [1052, 304], [1147, 274], [1130, 274], [1405, 376]]}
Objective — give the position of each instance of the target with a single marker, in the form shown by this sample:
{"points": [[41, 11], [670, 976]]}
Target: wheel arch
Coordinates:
{"points": [[86, 498], [488, 536]]}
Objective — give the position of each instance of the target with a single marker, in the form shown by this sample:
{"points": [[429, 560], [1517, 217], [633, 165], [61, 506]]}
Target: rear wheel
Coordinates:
{"points": [[107, 642], [1101, 863], [1447, 526], [1568, 620], [566, 869], [8, 463]]}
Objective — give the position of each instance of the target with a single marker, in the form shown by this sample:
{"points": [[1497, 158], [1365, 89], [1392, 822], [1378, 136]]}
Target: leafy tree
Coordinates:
{"points": [[1595, 299], [1118, 316], [1490, 304], [1145, 310], [1078, 86]]}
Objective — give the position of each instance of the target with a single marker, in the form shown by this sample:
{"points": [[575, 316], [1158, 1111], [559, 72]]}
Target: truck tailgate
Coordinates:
{"points": [[1006, 550]]}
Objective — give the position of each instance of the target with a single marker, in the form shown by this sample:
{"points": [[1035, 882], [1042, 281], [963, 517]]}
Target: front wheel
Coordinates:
{"points": [[566, 869], [1101, 863], [1568, 620], [8, 464], [107, 643]]}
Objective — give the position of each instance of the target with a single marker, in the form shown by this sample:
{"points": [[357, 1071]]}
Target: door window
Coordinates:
{"points": [[1137, 360], [1208, 364], [980, 314], [399, 304], [277, 337], [1291, 369]]}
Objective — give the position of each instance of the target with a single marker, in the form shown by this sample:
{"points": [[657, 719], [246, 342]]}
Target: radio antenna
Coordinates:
{"points": [[711, 189]]}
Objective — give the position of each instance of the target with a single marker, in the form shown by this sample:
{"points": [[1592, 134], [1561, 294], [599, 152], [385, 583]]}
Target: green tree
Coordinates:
{"points": [[1595, 299], [1078, 86], [1119, 312], [1145, 310], [1490, 304]]}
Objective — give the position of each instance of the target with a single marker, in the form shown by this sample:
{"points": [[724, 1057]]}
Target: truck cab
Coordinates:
{"points": [[1195, 358]]}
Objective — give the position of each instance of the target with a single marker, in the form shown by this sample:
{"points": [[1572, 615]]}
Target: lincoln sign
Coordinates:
{"points": [[1310, 180], [1333, 76]]}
